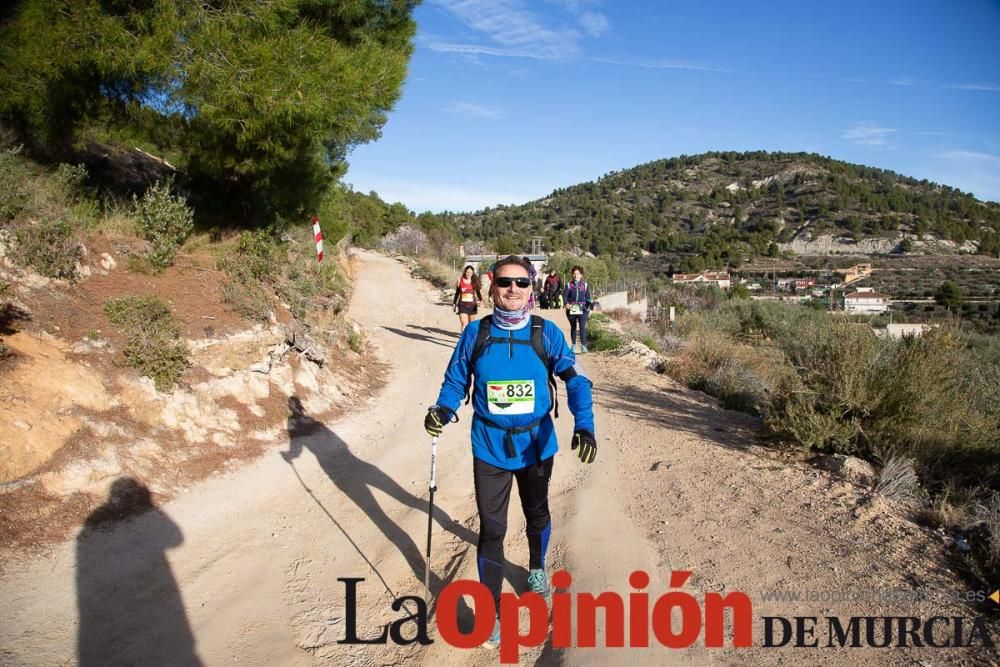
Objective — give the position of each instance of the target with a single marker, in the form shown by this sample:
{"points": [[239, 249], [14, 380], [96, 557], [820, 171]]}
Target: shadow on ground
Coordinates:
{"points": [[130, 606], [677, 410], [357, 479], [423, 338]]}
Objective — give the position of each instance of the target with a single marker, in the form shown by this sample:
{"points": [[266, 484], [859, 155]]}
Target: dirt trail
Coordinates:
{"points": [[244, 567]]}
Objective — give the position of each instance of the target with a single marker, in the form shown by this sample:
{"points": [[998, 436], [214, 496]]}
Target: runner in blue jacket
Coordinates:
{"points": [[578, 307], [508, 368]]}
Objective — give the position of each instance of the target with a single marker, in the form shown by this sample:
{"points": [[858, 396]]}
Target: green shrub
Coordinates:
{"points": [[833, 362], [826, 384], [356, 341], [600, 336], [722, 321], [261, 266], [70, 191], [14, 185], [602, 340], [253, 264], [878, 398], [737, 386], [70, 179], [255, 259], [309, 285], [165, 220], [980, 360], [139, 264], [742, 377], [252, 302], [47, 246], [153, 345]]}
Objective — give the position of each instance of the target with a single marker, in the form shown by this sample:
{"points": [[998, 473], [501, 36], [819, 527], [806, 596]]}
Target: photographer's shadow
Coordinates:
{"points": [[357, 478], [130, 606]]}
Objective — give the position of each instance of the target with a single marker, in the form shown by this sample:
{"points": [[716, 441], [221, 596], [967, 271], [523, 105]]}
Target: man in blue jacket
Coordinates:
{"points": [[510, 366]]}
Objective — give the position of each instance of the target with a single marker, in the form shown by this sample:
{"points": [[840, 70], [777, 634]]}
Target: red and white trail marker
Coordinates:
{"points": [[318, 238]]}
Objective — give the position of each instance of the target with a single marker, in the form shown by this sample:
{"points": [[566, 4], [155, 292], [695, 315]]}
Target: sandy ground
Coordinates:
{"points": [[244, 567]]}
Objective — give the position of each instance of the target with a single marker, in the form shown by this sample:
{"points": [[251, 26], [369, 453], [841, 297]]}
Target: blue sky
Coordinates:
{"points": [[508, 99]]}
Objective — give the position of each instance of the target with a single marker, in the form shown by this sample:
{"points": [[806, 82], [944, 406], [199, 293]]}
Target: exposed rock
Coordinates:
{"points": [[826, 244], [41, 395], [850, 468], [93, 476], [651, 359], [107, 262], [90, 346]]}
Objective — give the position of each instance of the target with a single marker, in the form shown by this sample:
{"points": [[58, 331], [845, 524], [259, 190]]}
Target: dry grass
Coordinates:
{"points": [[743, 377], [898, 482], [988, 512], [926, 406], [435, 272]]}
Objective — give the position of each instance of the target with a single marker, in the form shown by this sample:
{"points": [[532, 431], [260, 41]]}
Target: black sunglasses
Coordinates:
{"points": [[520, 282]]}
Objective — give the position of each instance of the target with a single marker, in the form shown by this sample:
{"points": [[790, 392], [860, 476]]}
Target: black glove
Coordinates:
{"points": [[436, 418], [587, 443]]}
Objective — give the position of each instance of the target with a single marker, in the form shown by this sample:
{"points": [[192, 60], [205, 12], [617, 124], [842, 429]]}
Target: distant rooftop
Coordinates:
{"points": [[486, 258]]}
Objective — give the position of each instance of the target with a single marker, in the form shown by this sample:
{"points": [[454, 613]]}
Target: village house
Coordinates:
{"points": [[866, 301], [856, 272], [795, 284], [721, 279]]}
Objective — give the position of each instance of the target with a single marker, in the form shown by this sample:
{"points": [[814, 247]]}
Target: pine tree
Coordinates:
{"points": [[262, 99]]}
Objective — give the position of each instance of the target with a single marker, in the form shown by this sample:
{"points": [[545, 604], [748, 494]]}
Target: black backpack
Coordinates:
{"points": [[537, 324], [536, 341]]}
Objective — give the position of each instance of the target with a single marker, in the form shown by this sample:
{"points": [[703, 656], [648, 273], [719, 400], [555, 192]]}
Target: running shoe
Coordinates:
{"points": [[538, 582], [494, 640]]}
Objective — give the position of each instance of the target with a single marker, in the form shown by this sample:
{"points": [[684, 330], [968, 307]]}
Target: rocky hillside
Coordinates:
{"points": [[726, 207], [134, 347]]}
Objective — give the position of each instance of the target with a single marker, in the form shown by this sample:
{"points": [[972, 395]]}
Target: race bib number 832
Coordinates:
{"points": [[510, 397]]}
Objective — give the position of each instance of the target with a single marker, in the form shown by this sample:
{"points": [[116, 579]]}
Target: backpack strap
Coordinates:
{"points": [[537, 325], [509, 433], [485, 339], [482, 340], [537, 342]]}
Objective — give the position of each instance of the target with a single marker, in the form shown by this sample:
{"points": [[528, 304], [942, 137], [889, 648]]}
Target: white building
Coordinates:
{"points": [[866, 301], [706, 277], [901, 329]]}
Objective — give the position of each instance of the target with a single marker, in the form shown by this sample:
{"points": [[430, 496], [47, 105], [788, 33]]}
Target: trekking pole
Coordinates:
{"points": [[430, 516]]}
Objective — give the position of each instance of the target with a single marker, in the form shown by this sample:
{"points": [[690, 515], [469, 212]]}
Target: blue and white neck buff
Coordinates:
{"points": [[510, 320]]}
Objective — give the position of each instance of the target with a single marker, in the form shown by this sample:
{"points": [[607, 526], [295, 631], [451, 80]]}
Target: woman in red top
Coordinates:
{"points": [[467, 296]]}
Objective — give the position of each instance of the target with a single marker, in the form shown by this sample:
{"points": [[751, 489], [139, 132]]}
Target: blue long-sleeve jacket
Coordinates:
{"points": [[577, 293], [511, 390]]}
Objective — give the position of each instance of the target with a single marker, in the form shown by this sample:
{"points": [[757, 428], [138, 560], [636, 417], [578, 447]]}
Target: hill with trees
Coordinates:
{"points": [[718, 209]]}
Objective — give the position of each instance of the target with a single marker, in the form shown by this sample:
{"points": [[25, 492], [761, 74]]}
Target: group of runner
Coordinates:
{"points": [[575, 297]]}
